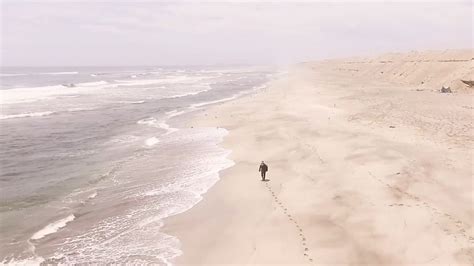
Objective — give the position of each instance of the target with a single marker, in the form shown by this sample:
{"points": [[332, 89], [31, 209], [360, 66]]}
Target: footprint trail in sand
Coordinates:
{"points": [[291, 219], [457, 228]]}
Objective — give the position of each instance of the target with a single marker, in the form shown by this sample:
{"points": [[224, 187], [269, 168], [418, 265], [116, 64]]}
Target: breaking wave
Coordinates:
{"points": [[131, 102], [52, 227], [36, 114], [191, 93], [60, 73], [153, 122], [11, 74]]}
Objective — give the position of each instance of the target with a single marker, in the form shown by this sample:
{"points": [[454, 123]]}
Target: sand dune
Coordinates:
{"points": [[423, 70], [369, 165]]}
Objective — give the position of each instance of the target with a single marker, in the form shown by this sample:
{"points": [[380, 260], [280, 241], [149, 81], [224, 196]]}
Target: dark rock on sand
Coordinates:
{"points": [[469, 83], [446, 90]]}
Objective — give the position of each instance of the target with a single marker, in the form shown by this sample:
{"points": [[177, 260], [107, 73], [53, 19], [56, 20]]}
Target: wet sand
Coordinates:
{"points": [[369, 164]]}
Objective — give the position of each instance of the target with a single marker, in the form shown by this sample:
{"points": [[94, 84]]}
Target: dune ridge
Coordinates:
{"points": [[424, 70]]}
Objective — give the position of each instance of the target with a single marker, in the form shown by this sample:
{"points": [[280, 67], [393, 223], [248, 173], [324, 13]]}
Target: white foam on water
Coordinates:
{"points": [[134, 237], [152, 141], [34, 114], [153, 122], [11, 74], [132, 102], [92, 84], [235, 96], [199, 178], [52, 227], [216, 101], [187, 94], [139, 81], [28, 261], [40, 114], [93, 195], [79, 109], [174, 113], [32, 94], [123, 139], [167, 127], [183, 79], [196, 184], [207, 88], [60, 73], [98, 74]]}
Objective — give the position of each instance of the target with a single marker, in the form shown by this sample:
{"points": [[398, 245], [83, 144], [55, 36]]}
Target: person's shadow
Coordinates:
{"points": [[266, 180]]}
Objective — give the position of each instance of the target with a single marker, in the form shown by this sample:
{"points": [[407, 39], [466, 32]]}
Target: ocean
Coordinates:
{"points": [[94, 158]]}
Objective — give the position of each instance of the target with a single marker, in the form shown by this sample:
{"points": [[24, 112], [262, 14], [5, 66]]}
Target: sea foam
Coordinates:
{"points": [[11, 74], [153, 122], [60, 73], [53, 227], [131, 102], [190, 93], [152, 141], [26, 115], [32, 94]]}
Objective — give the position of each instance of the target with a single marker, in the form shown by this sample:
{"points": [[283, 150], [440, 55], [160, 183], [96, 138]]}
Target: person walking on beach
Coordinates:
{"points": [[263, 170]]}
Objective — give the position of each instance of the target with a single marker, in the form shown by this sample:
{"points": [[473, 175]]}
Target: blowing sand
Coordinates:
{"points": [[368, 165]]}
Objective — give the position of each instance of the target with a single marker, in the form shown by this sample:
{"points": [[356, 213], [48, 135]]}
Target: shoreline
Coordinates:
{"points": [[365, 168]]}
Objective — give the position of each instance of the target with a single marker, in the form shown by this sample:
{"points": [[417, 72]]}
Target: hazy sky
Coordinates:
{"points": [[223, 32]]}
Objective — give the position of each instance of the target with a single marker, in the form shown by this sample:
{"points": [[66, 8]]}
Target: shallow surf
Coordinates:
{"points": [[90, 171]]}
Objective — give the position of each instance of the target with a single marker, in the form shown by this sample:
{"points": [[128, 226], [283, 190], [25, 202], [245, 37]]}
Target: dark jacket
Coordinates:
{"points": [[263, 168]]}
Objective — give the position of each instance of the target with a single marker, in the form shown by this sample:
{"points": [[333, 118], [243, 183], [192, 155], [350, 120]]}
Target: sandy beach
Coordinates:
{"points": [[369, 164]]}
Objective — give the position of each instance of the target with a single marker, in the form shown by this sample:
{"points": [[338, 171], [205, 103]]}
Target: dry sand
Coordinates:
{"points": [[368, 165]]}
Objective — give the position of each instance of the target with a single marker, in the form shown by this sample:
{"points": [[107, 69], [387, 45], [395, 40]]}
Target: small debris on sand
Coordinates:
{"points": [[469, 83], [446, 89]]}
